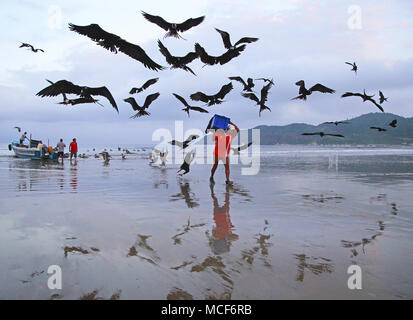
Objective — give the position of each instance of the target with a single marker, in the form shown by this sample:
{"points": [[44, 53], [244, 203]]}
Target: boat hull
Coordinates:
{"points": [[30, 153]]}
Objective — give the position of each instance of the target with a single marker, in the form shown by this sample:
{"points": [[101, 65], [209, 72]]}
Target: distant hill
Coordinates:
{"points": [[357, 131]]}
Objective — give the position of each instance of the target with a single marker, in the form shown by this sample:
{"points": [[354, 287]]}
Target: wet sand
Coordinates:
{"points": [[126, 230]]}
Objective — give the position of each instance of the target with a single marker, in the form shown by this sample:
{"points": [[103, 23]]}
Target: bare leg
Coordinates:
{"points": [[227, 168], [214, 168]]}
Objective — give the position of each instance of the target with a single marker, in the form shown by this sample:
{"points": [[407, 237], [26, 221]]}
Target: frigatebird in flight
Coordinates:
{"points": [[173, 28], [114, 43], [27, 45], [188, 107], [303, 92], [227, 40], [393, 123], [247, 85], [145, 86], [222, 59], [141, 110], [66, 87], [261, 102], [365, 98], [378, 129], [354, 65], [213, 99], [178, 62], [322, 134], [335, 122], [382, 98]]}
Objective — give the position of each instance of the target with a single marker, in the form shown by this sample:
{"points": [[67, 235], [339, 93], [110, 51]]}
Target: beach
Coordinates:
{"points": [[129, 230]]}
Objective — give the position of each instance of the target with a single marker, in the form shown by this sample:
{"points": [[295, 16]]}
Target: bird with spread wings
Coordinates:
{"points": [[365, 98], [64, 87], [114, 43], [173, 28], [141, 109], [303, 92], [146, 85], [212, 99], [264, 96], [188, 107], [178, 62]]}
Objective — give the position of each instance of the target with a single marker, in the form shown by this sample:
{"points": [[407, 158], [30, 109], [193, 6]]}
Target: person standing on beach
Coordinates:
{"points": [[61, 150], [73, 149], [223, 141]]}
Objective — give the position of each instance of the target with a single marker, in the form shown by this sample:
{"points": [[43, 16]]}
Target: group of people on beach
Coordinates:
{"points": [[72, 149]]}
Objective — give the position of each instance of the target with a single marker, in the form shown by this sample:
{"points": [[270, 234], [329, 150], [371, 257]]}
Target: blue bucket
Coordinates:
{"points": [[219, 122]]}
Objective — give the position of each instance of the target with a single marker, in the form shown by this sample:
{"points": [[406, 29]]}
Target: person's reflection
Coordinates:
{"points": [[222, 235], [73, 174]]}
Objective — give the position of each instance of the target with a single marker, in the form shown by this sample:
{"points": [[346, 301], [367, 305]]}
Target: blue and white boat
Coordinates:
{"points": [[32, 151]]}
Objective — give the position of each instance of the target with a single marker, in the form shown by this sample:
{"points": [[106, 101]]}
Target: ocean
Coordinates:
{"points": [[126, 229]]}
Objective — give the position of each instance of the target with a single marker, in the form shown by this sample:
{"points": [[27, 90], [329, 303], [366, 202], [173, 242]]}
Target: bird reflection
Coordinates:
{"points": [[222, 235], [315, 267], [186, 195]]}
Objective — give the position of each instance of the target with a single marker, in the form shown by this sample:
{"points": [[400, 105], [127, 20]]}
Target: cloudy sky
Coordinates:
{"points": [[298, 39]]}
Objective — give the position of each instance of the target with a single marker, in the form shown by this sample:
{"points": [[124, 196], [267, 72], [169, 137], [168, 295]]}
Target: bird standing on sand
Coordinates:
{"points": [[188, 107], [354, 65], [173, 28], [247, 86], [27, 45], [303, 92], [322, 134], [393, 123], [214, 99], [141, 110], [365, 98], [261, 102], [145, 86]]}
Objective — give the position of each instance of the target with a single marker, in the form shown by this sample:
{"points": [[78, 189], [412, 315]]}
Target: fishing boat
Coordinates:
{"points": [[31, 151]]}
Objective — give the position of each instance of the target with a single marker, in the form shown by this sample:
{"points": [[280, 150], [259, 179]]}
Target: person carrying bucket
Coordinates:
{"points": [[223, 139]]}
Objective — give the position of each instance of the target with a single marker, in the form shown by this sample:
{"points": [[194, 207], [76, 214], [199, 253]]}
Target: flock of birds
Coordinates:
{"points": [[116, 44]]}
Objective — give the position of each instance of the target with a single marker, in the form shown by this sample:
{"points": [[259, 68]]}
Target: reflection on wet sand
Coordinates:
{"points": [[179, 294], [142, 250], [322, 198], [185, 194], [314, 266], [68, 249], [73, 173], [94, 296], [177, 238], [222, 235], [365, 241]]}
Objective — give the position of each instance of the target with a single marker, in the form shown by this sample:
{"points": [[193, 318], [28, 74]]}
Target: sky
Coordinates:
{"points": [[298, 40]]}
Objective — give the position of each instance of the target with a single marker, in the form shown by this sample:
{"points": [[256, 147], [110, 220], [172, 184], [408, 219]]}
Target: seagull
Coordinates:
{"points": [[239, 149], [213, 99], [227, 40], [178, 62], [322, 134], [141, 110], [261, 102], [66, 87], [27, 45], [189, 157], [354, 65], [222, 59], [188, 107], [145, 86], [303, 92], [335, 122], [184, 144], [382, 98], [18, 129], [379, 129], [247, 86], [173, 28], [365, 98], [391, 124], [114, 43]]}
